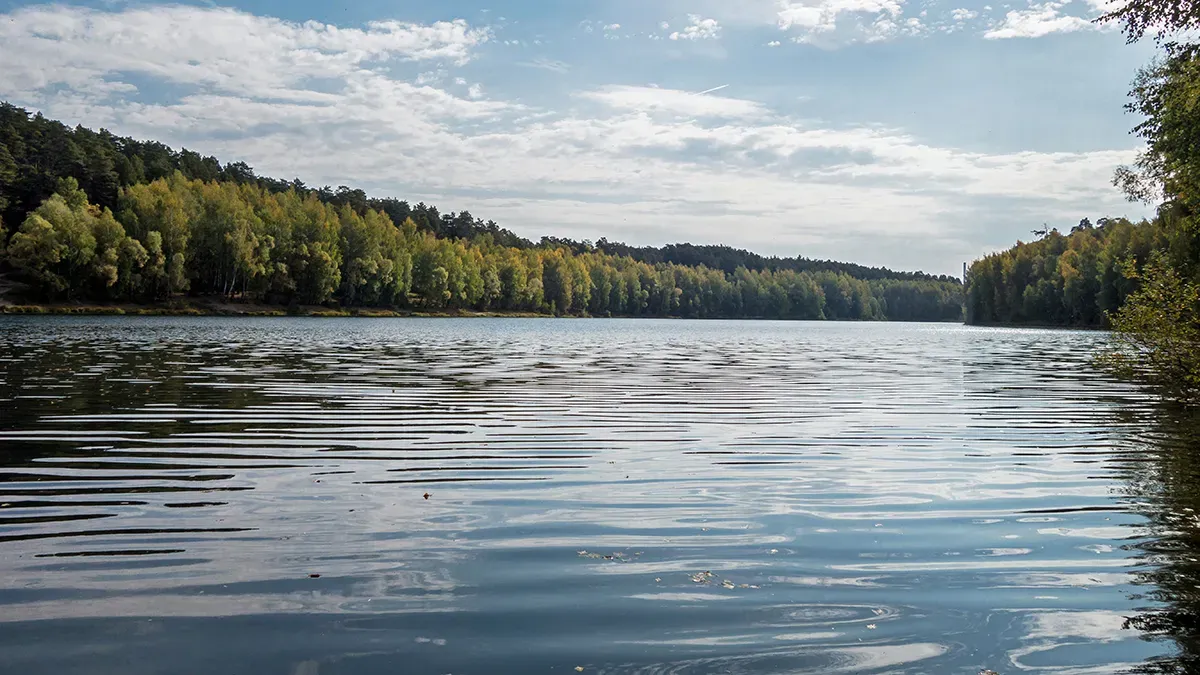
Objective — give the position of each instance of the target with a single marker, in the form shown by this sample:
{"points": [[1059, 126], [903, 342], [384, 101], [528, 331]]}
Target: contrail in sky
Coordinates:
{"points": [[709, 91]]}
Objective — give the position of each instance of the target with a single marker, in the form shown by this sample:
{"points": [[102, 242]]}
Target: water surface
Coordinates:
{"points": [[626, 496]]}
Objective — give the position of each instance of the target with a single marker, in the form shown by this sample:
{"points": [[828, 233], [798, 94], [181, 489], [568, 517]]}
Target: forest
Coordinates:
{"points": [[106, 219], [1079, 279]]}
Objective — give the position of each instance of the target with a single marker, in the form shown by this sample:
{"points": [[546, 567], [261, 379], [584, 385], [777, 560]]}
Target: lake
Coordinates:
{"points": [[304, 496]]}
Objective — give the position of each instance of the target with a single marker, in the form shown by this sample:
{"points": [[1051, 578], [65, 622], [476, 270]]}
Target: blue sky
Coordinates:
{"points": [[907, 133]]}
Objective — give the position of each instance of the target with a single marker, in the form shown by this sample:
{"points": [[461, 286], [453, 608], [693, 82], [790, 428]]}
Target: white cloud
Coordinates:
{"points": [[704, 166], [1037, 21], [962, 14], [885, 28], [700, 29], [815, 18], [430, 77], [774, 43], [1104, 6], [224, 49], [664, 25], [613, 26]]}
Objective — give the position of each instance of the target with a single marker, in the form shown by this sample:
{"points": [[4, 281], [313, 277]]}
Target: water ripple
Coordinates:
{"points": [[322, 496]]}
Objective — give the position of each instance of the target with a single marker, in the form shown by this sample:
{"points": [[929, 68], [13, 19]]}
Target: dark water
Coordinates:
{"points": [[621, 496]]}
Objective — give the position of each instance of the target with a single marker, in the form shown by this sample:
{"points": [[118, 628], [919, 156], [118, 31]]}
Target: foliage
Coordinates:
{"points": [[71, 248], [1156, 330], [185, 223], [1162, 17], [36, 152], [1156, 334], [728, 259], [1067, 280], [244, 242], [1166, 95]]}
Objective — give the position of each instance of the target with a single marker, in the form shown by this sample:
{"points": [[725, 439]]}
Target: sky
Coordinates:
{"points": [[912, 134]]}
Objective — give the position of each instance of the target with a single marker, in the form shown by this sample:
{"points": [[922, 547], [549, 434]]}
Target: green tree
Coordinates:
{"points": [[71, 248], [1156, 334]]}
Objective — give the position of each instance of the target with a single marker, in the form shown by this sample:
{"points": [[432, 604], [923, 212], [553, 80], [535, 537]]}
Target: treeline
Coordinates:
{"points": [[93, 216], [729, 259], [177, 236], [1077, 279], [36, 152]]}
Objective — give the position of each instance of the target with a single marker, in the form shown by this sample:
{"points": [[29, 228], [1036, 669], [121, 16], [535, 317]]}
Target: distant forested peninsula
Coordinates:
{"points": [[1078, 279], [90, 217]]}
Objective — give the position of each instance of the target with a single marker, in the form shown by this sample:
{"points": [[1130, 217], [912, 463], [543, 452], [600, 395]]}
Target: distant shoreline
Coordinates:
{"points": [[225, 309], [248, 310], [1043, 326]]}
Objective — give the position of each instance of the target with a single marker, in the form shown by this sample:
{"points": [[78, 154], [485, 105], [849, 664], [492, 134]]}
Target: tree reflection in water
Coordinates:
{"points": [[1164, 485]]}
